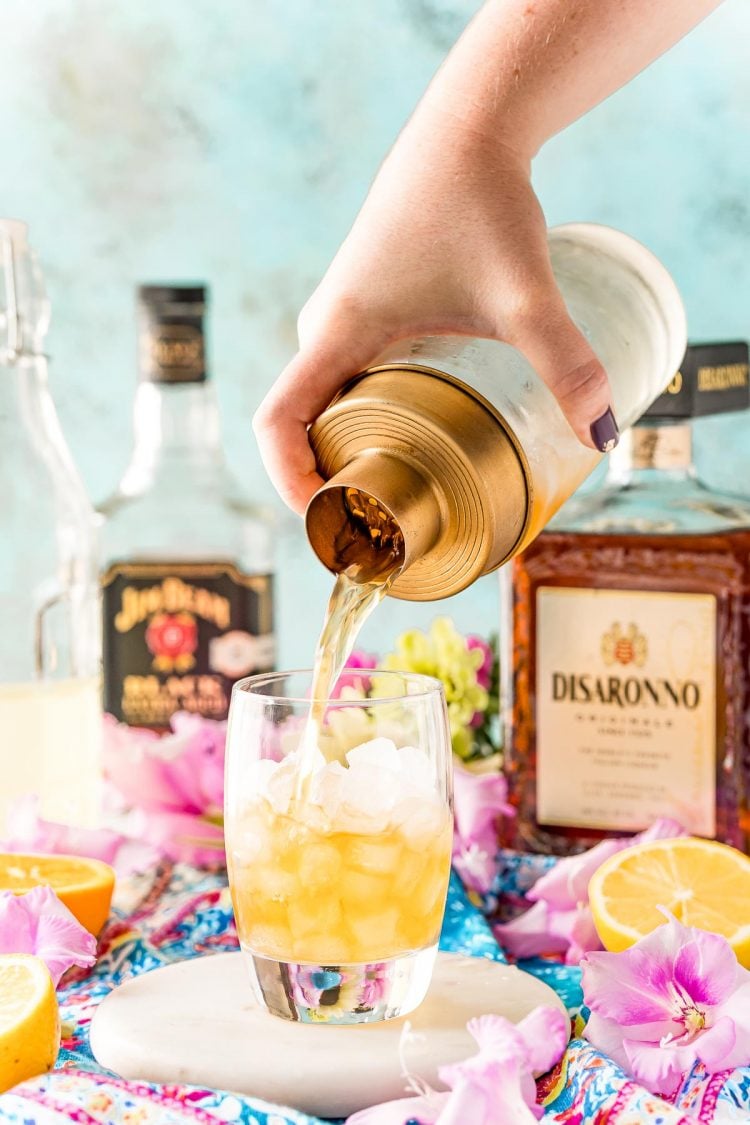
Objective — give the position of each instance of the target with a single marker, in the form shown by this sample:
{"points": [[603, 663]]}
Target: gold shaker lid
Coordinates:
{"points": [[437, 460]]}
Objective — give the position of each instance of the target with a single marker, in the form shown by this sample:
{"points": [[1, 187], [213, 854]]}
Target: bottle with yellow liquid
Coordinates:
{"points": [[460, 444], [50, 718]]}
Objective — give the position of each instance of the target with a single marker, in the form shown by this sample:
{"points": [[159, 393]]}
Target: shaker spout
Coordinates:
{"points": [[377, 514]]}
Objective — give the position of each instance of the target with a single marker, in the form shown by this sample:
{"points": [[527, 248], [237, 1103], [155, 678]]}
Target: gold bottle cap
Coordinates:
{"points": [[438, 462]]}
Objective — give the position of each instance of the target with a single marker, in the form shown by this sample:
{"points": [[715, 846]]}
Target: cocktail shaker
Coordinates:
{"points": [[458, 442]]}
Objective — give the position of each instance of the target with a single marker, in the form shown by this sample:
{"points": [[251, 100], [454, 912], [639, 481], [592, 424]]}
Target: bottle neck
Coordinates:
{"points": [[176, 428], [650, 450]]}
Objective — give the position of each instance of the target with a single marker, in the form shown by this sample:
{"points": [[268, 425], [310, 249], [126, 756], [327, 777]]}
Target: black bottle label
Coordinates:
{"points": [[177, 636]]}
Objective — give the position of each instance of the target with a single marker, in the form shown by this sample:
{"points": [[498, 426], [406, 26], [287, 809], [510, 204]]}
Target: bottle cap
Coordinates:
{"points": [[171, 335], [712, 379]]}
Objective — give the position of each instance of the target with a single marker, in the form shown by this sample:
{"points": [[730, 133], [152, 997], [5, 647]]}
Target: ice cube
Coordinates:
{"points": [[323, 948], [375, 933], [259, 774], [281, 785], [378, 752], [326, 788], [321, 914], [420, 819], [358, 888], [410, 869], [430, 889], [270, 941], [417, 771], [369, 789], [374, 856], [319, 865]]}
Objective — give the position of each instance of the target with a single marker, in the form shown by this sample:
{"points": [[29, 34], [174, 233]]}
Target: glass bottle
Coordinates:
{"points": [[631, 639], [461, 443], [187, 582], [50, 718]]}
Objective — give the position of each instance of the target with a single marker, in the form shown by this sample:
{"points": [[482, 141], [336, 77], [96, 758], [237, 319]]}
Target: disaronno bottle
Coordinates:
{"points": [[187, 589], [631, 639], [50, 716], [460, 442]]}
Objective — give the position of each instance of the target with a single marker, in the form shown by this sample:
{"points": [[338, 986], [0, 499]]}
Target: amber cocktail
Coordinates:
{"points": [[339, 856]]}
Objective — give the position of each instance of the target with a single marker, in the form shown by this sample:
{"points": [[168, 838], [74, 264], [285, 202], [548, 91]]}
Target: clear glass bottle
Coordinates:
{"points": [[187, 581], [461, 442], [50, 717], [630, 645]]}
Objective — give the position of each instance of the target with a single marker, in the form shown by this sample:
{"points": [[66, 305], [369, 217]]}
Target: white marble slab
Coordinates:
{"points": [[197, 1022]]}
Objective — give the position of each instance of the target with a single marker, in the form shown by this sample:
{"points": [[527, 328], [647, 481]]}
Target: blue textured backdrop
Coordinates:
{"points": [[235, 141]]}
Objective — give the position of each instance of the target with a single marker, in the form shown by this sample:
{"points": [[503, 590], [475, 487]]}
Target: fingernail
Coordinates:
{"points": [[604, 432]]}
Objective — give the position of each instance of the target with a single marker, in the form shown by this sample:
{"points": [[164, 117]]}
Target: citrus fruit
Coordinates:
{"points": [[84, 885], [703, 883], [29, 1019]]}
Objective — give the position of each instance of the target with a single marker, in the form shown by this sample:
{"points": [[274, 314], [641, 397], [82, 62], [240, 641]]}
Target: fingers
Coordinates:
{"points": [[563, 358], [304, 389]]}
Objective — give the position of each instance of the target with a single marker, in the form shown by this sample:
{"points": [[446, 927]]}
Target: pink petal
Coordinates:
{"points": [[635, 987], [530, 934], [661, 1069], [662, 829], [607, 1036], [706, 967], [185, 838], [424, 1109], [567, 883], [50, 931], [16, 925], [484, 671], [737, 1009], [545, 1032], [583, 936], [476, 868]]}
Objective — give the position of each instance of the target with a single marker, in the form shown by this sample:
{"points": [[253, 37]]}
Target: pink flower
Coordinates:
{"points": [[677, 997], [360, 659], [495, 1086], [560, 920], [39, 923], [176, 783], [27, 832], [484, 671], [480, 799]]}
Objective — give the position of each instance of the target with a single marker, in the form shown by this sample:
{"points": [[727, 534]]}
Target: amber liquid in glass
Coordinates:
{"points": [[706, 564]]}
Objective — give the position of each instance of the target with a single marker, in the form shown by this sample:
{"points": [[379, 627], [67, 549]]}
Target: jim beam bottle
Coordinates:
{"points": [[187, 588], [631, 639]]}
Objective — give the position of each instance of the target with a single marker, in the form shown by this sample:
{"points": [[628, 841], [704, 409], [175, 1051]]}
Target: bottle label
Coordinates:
{"points": [[626, 708], [176, 636]]}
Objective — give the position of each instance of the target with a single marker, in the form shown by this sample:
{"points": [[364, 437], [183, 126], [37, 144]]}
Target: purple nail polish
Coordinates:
{"points": [[604, 432]]}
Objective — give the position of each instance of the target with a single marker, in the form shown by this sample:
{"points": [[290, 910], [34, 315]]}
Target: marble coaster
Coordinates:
{"points": [[197, 1022]]}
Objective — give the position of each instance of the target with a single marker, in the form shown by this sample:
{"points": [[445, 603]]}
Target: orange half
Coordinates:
{"points": [[84, 885]]}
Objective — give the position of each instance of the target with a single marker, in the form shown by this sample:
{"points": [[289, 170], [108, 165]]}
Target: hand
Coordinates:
{"points": [[451, 240]]}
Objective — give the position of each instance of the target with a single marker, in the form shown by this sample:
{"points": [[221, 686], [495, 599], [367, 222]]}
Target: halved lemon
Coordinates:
{"points": [[29, 1019], [703, 883], [84, 885]]}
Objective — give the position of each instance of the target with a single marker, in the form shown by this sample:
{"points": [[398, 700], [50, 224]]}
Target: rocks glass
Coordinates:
{"points": [[339, 841]]}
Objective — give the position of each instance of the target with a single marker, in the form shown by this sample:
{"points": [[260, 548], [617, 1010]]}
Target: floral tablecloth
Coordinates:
{"points": [[175, 912]]}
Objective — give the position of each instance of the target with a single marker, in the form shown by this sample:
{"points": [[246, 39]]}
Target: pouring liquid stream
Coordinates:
{"points": [[370, 556]]}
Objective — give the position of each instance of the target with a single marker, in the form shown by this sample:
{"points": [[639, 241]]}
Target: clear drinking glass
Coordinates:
{"points": [[339, 855]]}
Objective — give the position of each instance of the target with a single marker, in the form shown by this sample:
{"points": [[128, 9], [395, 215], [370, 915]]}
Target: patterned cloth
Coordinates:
{"points": [[178, 912]]}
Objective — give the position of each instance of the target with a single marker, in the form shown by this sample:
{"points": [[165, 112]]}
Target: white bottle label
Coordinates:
{"points": [[625, 708]]}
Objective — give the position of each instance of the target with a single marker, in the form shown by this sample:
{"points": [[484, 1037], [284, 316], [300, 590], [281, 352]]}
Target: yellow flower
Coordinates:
{"points": [[443, 653]]}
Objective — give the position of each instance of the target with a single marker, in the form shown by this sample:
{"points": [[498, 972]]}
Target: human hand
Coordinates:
{"points": [[451, 240]]}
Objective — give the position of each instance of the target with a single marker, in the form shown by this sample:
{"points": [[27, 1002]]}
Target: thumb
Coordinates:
{"points": [[563, 358]]}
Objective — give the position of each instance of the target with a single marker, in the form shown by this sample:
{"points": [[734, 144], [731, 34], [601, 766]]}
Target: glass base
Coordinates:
{"points": [[341, 994]]}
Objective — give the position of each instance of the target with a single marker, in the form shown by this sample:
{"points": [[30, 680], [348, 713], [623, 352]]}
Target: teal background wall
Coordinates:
{"points": [[234, 142]]}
